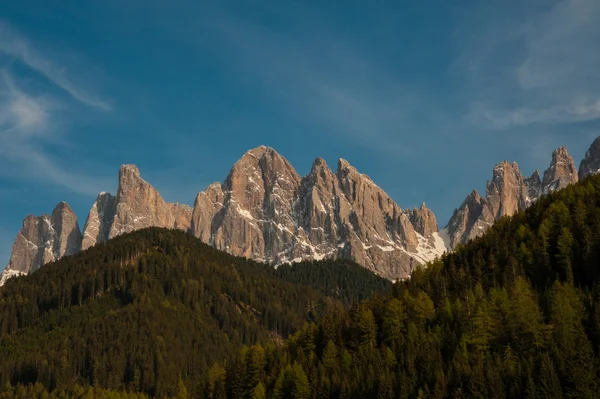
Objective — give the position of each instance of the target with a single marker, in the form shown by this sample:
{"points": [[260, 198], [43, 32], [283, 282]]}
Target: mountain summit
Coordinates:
{"points": [[263, 210], [509, 191]]}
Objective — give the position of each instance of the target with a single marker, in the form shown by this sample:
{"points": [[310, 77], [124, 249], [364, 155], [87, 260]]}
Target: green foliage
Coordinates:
{"points": [[157, 311], [514, 313]]}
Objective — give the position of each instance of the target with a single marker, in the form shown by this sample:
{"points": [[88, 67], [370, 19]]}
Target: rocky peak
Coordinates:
{"points": [[99, 220], [265, 211], [462, 224], [504, 194], [44, 239], [534, 187], [560, 173], [137, 205], [509, 192], [590, 164], [423, 221], [67, 234]]}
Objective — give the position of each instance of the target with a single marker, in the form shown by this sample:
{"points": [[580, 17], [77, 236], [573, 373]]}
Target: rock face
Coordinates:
{"points": [[590, 164], [264, 210], [423, 221], [42, 240], [561, 172], [507, 193], [137, 205], [99, 220]]}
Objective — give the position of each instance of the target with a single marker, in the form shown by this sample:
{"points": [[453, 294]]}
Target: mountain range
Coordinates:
{"points": [[264, 210]]}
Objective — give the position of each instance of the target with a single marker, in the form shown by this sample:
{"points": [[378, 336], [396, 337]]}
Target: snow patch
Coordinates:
{"points": [[8, 274]]}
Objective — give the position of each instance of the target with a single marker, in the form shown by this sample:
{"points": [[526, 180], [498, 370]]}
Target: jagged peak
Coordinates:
{"points": [[62, 206], [560, 151], [560, 155], [590, 164], [503, 165], [129, 169], [319, 163], [343, 164], [474, 195], [594, 148]]}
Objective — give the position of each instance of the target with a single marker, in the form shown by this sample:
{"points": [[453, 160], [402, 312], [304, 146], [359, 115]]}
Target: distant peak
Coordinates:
{"points": [[62, 206], [344, 165], [474, 194], [129, 169], [319, 162], [560, 153]]}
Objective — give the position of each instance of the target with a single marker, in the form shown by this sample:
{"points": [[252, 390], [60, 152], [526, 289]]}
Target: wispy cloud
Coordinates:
{"points": [[14, 45], [29, 119], [539, 67]]}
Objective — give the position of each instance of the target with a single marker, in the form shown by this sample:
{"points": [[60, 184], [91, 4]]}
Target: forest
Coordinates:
{"points": [[514, 313], [152, 310]]}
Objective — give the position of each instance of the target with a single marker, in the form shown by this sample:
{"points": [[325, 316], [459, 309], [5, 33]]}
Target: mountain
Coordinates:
{"points": [[265, 211], [514, 313], [590, 164], [136, 205], [508, 192], [42, 240], [156, 307]]}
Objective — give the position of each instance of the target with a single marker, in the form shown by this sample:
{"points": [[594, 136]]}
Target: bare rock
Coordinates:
{"points": [[42, 240], [560, 173], [99, 220], [590, 164]]}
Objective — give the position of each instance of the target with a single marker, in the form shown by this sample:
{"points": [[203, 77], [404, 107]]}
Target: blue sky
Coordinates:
{"points": [[424, 97]]}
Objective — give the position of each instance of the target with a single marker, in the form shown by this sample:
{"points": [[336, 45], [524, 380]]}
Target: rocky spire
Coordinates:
{"points": [[590, 164], [465, 220], [560, 173], [534, 187], [44, 239], [99, 220], [136, 205], [423, 220], [507, 193], [265, 211]]}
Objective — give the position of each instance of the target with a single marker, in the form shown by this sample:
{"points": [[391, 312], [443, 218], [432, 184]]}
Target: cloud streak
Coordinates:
{"points": [[538, 68], [14, 45], [29, 122]]}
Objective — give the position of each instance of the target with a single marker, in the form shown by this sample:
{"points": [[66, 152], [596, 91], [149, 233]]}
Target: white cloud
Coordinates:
{"points": [[30, 120], [540, 67], [14, 45]]}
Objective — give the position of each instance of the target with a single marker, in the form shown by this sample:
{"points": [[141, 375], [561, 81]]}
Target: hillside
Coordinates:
{"points": [[514, 313], [151, 310]]}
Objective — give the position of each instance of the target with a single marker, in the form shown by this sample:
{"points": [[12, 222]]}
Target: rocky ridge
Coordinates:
{"points": [[590, 164], [508, 192], [265, 211], [42, 240]]}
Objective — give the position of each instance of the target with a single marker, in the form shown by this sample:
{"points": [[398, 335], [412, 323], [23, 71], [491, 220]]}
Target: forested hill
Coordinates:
{"points": [[515, 313], [150, 311]]}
